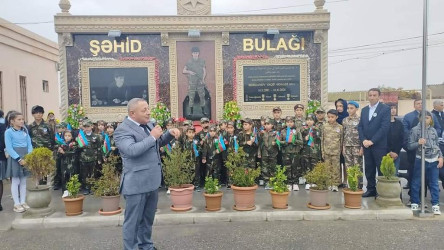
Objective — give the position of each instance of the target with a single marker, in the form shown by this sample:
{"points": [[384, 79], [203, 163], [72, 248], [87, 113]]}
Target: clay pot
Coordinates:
{"points": [[352, 199], [182, 197], [244, 198], [279, 200], [74, 206], [213, 201], [389, 192], [318, 199], [110, 205]]}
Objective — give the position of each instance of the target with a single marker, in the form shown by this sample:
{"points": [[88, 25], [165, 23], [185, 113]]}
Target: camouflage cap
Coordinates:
{"points": [[110, 124], [213, 128], [169, 121], [320, 110], [263, 118], [87, 123], [187, 123], [60, 125], [311, 117], [268, 120], [247, 120], [204, 119], [298, 106], [222, 122], [191, 128], [230, 123], [289, 118], [277, 109]]}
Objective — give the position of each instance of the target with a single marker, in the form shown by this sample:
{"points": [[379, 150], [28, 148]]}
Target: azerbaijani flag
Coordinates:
{"points": [[310, 138], [167, 148], [219, 144], [255, 135], [59, 139], [290, 137], [278, 140], [69, 127], [81, 139], [196, 152], [236, 144], [106, 144]]}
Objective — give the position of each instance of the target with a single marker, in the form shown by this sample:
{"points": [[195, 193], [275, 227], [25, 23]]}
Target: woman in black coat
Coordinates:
{"points": [[395, 137]]}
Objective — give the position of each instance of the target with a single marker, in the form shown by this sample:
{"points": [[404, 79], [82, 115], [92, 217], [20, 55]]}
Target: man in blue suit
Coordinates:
{"points": [[139, 142], [373, 131]]}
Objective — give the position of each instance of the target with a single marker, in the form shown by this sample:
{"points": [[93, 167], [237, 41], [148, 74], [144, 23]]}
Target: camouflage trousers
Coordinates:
{"points": [[192, 89], [268, 167], [214, 166], [292, 162], [308, 162], [334, 161], [353, 158], [87, 170], [251, 161]]}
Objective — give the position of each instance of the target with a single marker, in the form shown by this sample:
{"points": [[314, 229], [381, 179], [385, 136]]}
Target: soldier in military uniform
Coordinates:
{"points": [[211, 155], [299, 119], [90, 155], [268, 151], [42, 136], [332, 143], [249, 142], [352, 149], [291, 141], [195, 69], [311, 151]]}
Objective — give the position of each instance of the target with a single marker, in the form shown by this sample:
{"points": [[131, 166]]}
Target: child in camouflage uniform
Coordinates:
{"points": [[352, 149], [268, 151], [332, 141], [200, 137], [278, 125], [291, 141], [109, 132], [311, 151], [211, 154], [67, 153], [90, 150], [191, 145], [249, 142], [232, 141], [299, 119]]}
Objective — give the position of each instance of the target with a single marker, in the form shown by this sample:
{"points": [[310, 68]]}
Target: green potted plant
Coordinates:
{"points": [[74, 200], [322, 176], [179, 174], [107, 187], [353, 195], [40, 162], [243, 180], [213, 197], [388, 186], [279, 191]]}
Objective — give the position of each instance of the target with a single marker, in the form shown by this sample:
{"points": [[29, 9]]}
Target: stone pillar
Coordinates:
{"points": [[64, 5]]}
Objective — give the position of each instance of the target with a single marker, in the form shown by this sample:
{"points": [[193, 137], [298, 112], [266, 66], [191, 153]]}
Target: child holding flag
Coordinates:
{"points": [[269, 146], [232, 142], [67, 153], [248, 140], [191, 144], [211, 153], [311, 151], [291, 141], [90, 154], [332, 141], [109, 146]]}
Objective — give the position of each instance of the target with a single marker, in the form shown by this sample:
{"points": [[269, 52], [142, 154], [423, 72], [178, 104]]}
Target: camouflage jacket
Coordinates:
{"points": [[351, 134], [332, 136], [93, 151], [294, 146], [267, 144], [187, 145], [69, 158], [209, 148], [41, 135], [313, 150], [278, 125], [250, 150], [299, 123]]}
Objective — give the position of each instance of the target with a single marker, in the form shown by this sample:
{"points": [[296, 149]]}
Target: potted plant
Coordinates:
{"points": [[322, 177], [213, 197], [179, 173], [353, 195], [107, 187], [243, 180], [279, 191], [40, 162], [74, 201], [388, 186]]}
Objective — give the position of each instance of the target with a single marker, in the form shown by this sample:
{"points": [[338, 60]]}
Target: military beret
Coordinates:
{"points": [[354, 104], [298, 106], [289, 118], [37, 109], [247, 120], [87, 123], [204, 119], [277, 109]]}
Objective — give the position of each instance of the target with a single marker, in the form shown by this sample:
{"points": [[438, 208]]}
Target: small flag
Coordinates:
{"points": [[310, 138], [236, 144], [196, 152], [106, 144], [219, 144], [59, 139], [278, 140], [255, 135], [69, 127], [167, 148], [81, 139]]}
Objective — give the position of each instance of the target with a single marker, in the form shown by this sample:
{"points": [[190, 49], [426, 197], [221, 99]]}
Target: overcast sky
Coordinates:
{"points": [[353, 23]]}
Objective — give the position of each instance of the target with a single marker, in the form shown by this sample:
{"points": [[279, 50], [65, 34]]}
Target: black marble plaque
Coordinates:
{"points": [[272, 83]]}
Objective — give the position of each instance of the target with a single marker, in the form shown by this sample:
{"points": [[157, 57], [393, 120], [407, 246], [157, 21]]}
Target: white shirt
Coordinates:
{"points": [[371, 110]]}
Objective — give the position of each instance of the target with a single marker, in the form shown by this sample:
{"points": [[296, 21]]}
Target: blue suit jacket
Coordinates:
{"points": [[140, 157], [376, 129]]}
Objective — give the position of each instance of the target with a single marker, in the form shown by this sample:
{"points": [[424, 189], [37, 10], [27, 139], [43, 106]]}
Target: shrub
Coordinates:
{"points": [[40, 162], [178, 168], [109, 183], [73, 186], [211, 185], [278, 182], [322, 175], [241, 175], [353, 174], [388, 168]]}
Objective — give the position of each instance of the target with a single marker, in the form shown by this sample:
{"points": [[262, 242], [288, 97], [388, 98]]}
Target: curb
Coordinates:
{"points": [[88, 220]]}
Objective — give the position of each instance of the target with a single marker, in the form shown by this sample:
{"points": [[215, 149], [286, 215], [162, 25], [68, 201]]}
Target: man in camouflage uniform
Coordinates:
{"points": [[195, 69], [90, 155], [291, 141], [42, 136], [299, 119], [249, 142], [332, 143], [352, 149], [268, 151]]}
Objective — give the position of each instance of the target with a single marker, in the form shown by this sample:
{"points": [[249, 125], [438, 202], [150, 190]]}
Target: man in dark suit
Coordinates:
{"points": [[373, 131], [139, 142]]}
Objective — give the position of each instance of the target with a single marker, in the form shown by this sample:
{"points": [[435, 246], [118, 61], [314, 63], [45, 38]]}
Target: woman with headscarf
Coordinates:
{"points": [[341, 107]]}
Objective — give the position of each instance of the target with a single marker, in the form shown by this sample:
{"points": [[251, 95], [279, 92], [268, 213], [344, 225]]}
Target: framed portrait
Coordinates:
{"points": [[108, 85]]}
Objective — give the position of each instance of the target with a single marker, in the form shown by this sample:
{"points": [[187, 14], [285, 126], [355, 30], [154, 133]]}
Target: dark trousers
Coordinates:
{"points": [[139, 217], [411, 155], [441, 170], [58, 173], [373, 158], [86, 171]]}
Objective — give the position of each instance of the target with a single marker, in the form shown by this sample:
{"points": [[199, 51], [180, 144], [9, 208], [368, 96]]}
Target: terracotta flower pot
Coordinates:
{"points": [[352, 199], [389, 192], [318, 199], [244, 198], [74, 206], [182, 197], [213, 201], [110, 205], [279, 200]]}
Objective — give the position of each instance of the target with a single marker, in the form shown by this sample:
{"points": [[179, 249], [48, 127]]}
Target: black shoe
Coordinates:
{"points": [[369, 194], [86, 192], [1, 208], [228, 186], [57, 187]]}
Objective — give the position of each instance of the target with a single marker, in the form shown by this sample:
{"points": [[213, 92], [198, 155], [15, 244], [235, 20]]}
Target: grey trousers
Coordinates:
{"points": [[139, 217]]}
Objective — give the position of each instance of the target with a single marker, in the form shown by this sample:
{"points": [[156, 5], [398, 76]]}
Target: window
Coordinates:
{"points": [[45, 86], [23, 99]]}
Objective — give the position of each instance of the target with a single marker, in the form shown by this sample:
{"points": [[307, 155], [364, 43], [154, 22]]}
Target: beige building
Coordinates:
{"points": [[28, 71]]}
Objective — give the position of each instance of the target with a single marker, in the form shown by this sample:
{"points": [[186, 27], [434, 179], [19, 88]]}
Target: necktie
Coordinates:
{"points": [[145, 128]]}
